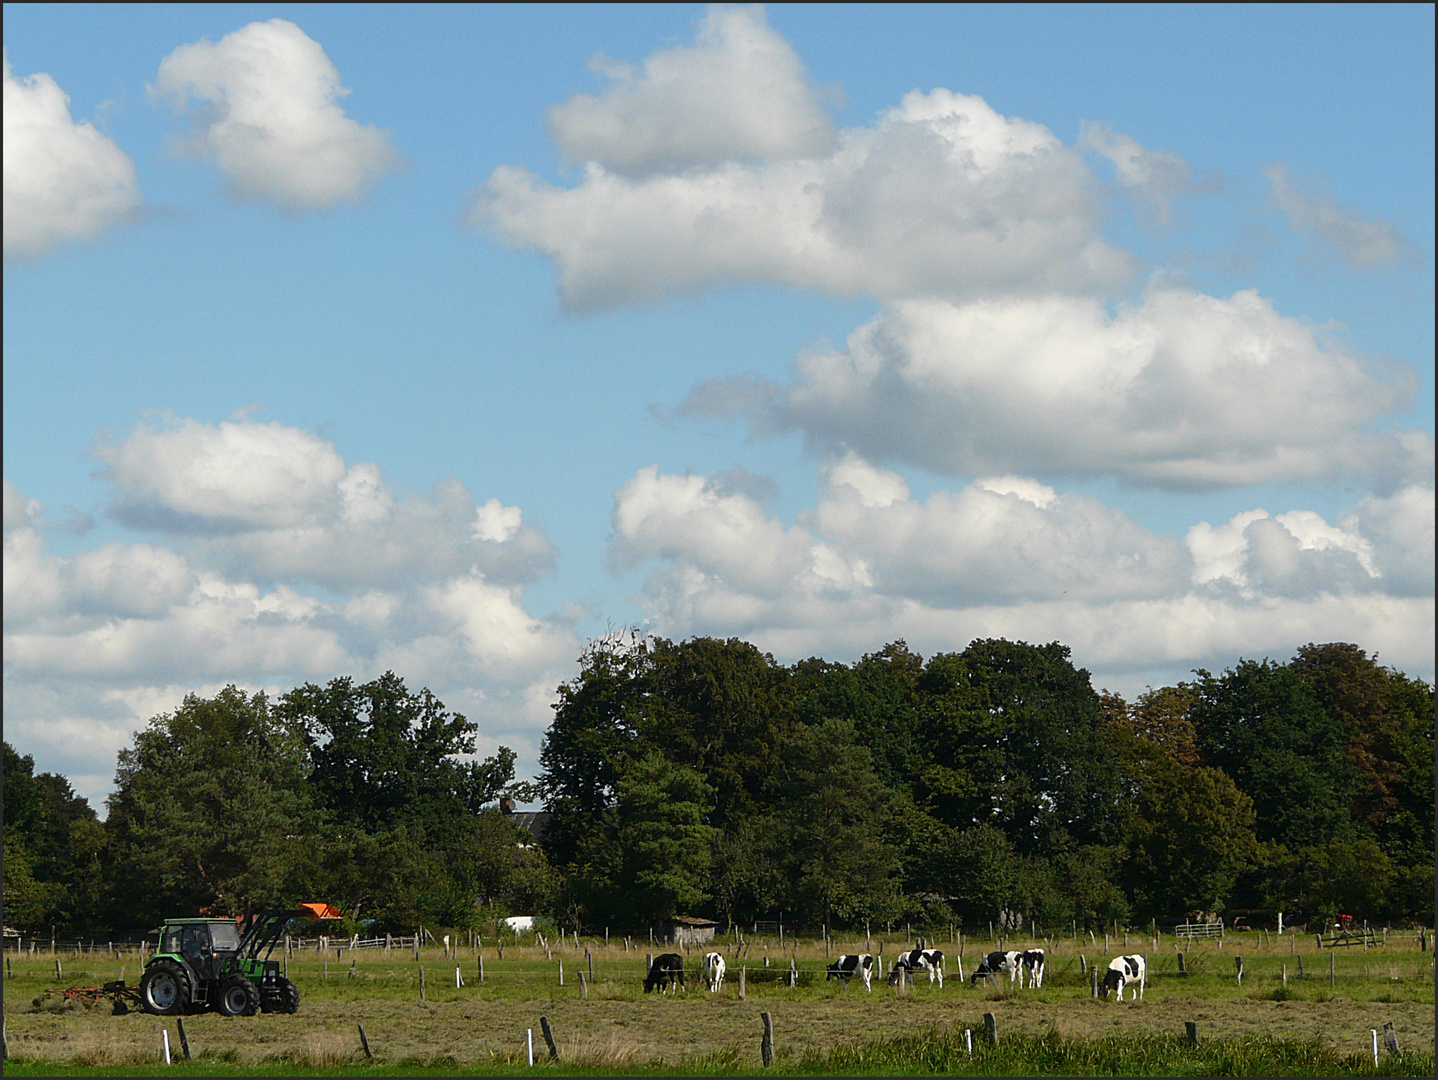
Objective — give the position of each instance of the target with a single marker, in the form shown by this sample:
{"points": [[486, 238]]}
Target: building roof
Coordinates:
{"points": [[692, 920], [533, 822]]}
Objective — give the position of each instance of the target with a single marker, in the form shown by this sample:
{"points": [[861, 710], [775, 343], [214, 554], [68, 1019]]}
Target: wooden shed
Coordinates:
{"points": [[689, 930]]}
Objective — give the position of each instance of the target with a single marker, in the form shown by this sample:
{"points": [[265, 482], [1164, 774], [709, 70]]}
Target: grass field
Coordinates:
{"points": [[1313, 1026]]}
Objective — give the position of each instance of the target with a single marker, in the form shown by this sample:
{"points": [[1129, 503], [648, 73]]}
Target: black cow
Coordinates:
{"points": [[931, 960], [851, 964], [667, 968]]}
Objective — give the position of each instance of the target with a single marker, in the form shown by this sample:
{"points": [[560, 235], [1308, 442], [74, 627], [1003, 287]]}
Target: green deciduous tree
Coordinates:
{"points": [[721, 708], [1014, 736], [830, 811], [58, 844], [1189, 840], [664, 845], [212, 809], [1263, 725], [381, 754]]}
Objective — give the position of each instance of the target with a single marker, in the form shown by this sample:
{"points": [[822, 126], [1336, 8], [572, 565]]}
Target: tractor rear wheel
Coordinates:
{"points": [[239, 997], [282, 997], [165, 988]]}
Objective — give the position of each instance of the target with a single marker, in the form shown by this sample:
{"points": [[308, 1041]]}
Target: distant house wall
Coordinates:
{"points": [[687, 930]]}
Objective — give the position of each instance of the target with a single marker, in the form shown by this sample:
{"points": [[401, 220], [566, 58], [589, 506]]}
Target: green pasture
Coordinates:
{"points": [[420, 1022]]}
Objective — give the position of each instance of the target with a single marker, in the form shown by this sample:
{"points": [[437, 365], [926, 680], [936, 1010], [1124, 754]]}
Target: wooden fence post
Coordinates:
{"points": [[561, 973], [1390, 1038], [1285, 976], [766, 1043], [1182, 966], [1238, 963], [1300, 967], [991, 1030], [742, 971], [1190, 1032], [583, 985], [184, 1042], [364, 1042], [549, 1038], [1331, 976]]}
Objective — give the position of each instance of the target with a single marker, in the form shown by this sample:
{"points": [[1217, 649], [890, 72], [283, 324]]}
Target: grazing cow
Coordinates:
{"points": [[667, 968], [713, 971], [1033, 963], [931, 960], [1123, 970], [851, 964], [996, 963]]}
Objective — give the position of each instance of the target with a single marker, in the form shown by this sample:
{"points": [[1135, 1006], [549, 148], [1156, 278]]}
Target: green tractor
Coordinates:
{"points": [[208, 964]]}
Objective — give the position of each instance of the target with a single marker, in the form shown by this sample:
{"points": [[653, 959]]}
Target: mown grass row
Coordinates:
{"points": [[935, 1053]]}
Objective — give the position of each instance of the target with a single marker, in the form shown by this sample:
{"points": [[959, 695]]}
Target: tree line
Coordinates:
{"points": [[702, 777]]}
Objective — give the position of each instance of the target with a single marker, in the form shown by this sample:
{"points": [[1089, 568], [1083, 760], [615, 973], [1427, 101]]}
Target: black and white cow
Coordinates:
{"points": [[713, 971], [1123, 970], [997, 963], [851, 964], [667, 969], [931, 960], [1033, 962]]}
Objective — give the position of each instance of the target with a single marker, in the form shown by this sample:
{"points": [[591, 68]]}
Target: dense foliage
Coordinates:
{"points": [[701, 777]]}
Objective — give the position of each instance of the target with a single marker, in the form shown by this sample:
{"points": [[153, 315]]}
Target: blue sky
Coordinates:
{"points": [[817, 326]]}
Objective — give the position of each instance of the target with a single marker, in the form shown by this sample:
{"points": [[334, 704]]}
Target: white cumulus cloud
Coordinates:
{"points": [[941, 196], [273, 502], [98, 641], [1179, 390], [63, 180], [269, 117], [1014, 558], [234, 475], [738, 94]]}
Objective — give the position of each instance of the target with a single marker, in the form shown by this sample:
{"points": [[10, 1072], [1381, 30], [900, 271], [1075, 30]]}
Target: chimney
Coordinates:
{"points": [[506, 805]]}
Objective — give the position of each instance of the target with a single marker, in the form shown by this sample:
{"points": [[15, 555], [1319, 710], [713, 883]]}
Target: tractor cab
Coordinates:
{"points": [[204, 944]]}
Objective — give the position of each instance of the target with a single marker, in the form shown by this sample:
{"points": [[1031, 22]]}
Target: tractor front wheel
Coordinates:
{"points": [[165, 988], [282, 997], [239, 997]]}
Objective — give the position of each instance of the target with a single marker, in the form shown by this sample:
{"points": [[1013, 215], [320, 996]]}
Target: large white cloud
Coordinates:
{"points": [[63, 180], [270, 117], [271, 502], [1180, 390], [1010, 557], [738, 94], [1003, 538], [942, 196]]}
